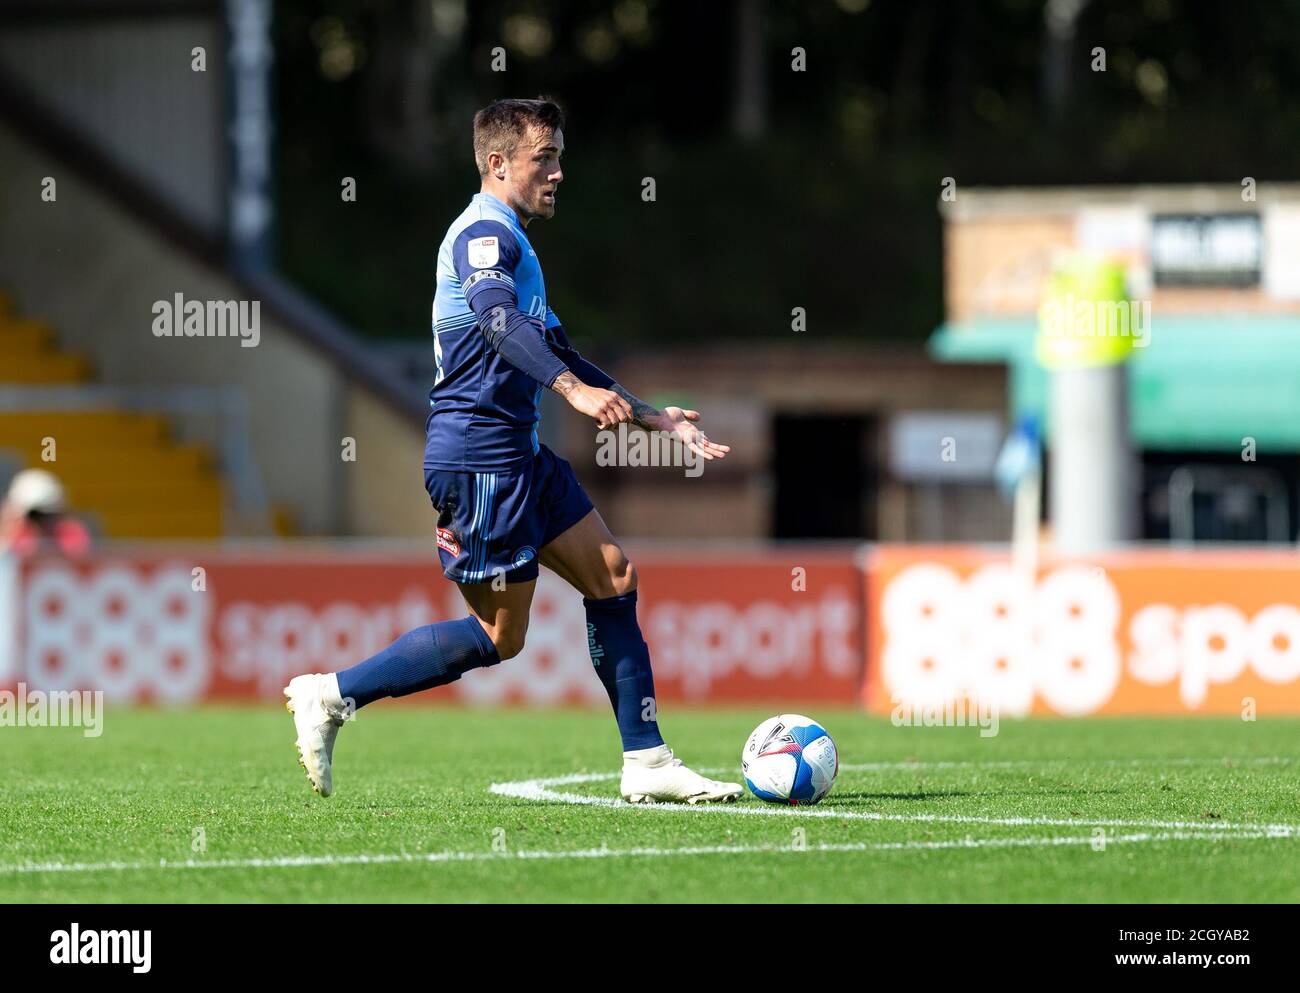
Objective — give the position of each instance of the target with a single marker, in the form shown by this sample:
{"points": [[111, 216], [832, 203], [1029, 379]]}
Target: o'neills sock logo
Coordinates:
{"points": [[597, 652], [77, 947]]}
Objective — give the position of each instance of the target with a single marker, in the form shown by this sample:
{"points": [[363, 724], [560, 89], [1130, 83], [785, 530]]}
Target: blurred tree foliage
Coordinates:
{"points": [[775, 188]]}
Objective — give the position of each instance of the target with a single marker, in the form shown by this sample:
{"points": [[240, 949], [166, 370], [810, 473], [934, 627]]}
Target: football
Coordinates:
{"points": [[790, 759]]}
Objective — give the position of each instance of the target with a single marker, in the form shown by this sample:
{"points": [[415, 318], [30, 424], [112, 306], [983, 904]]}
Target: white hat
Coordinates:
{"points": [[36, 490]]}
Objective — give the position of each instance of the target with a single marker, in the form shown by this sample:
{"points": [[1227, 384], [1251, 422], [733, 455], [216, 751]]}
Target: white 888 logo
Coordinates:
{"points": [[993, 636], [117, 631], [554, 665]]}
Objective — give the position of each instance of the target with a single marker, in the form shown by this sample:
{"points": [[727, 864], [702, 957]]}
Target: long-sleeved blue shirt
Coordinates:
{"points": [[497, 344]]}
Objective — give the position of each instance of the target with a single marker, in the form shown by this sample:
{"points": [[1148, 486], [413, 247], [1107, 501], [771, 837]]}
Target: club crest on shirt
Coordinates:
{"points": [[447, 542], [483, 252]]}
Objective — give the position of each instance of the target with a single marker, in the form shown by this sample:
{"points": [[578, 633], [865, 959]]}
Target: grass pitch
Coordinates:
{"points": [[210, 805]]}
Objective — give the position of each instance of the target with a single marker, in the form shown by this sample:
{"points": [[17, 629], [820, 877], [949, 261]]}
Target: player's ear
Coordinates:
{"points": [[496, 163]]}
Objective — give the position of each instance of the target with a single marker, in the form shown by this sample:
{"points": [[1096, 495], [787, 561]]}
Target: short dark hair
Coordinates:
{"points": [[503, 124]]}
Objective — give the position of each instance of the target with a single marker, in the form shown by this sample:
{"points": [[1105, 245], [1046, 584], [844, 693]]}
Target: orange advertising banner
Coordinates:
{"points": [[1211, 632], [198, 625], [1149, 632]]}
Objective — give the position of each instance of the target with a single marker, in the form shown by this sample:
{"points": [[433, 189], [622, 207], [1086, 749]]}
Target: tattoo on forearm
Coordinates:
{"points": [[643, 414], [565, 383]]}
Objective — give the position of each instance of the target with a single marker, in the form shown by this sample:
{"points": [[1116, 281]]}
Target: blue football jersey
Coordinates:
{"points": [[483, 411]]}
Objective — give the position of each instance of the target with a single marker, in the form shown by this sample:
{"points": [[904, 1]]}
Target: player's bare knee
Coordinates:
{"points": [[509, 639], [622, 575]]}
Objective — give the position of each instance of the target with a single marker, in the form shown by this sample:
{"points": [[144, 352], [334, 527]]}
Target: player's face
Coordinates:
{"points": [[536, 175]]}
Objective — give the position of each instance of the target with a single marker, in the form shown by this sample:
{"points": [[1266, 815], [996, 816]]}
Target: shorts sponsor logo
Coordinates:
{"points": [[524, 556], [447, 542]]}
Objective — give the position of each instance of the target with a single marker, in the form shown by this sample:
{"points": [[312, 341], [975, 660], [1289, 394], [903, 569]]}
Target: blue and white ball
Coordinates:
{"points": [[790, 759]]}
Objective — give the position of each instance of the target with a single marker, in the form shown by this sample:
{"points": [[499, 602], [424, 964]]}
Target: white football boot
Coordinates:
{"points": [[318, 713], [653, 775]]}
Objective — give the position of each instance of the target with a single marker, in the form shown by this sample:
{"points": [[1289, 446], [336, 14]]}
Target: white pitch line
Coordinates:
{"points": [[906, 766], [539, 790], [385, 858]]}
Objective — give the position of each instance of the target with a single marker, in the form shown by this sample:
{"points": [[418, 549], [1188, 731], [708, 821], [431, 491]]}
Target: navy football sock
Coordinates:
{"points": [[622, 661], [429, 656]]}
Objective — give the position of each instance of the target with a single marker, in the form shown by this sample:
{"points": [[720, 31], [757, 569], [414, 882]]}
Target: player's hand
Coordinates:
{"points": [[607, 407], [680, 423]]}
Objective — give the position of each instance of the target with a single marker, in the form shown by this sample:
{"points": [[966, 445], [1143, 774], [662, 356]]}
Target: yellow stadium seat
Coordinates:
{"points": [[123, 471]]}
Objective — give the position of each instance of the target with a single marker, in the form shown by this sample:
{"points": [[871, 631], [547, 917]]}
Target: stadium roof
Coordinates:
{"points": [[1030, 201]]}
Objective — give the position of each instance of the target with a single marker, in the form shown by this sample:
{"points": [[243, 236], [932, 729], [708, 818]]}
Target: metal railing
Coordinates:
{"points": [[213, 415], [1258, 500]]}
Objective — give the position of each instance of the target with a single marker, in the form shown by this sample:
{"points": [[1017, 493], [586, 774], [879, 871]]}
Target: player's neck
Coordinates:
{"points": [[523, 221]]}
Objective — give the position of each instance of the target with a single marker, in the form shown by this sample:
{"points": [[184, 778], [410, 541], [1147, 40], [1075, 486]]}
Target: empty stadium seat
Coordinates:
{"points": [[123, 472]]}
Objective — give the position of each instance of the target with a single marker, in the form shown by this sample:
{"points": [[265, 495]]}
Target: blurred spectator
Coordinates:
{"points": [[34, 517]]}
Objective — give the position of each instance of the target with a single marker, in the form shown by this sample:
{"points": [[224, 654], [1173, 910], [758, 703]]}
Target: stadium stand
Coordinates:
{"points": [[124, 472]]}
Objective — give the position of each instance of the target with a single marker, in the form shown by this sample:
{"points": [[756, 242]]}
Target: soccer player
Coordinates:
{"points": [[506, 503]]}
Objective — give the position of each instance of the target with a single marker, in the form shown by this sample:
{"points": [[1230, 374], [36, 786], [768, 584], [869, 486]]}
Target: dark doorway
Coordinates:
{"points": [[824, 472], [1216, 496]]}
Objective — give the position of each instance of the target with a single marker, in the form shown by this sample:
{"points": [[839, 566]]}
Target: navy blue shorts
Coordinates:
{"points": [[491, 523]]}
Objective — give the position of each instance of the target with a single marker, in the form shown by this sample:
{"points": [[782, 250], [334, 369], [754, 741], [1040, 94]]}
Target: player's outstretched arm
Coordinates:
{"points": [[606, 406], [675, 421], [593, 391]]}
